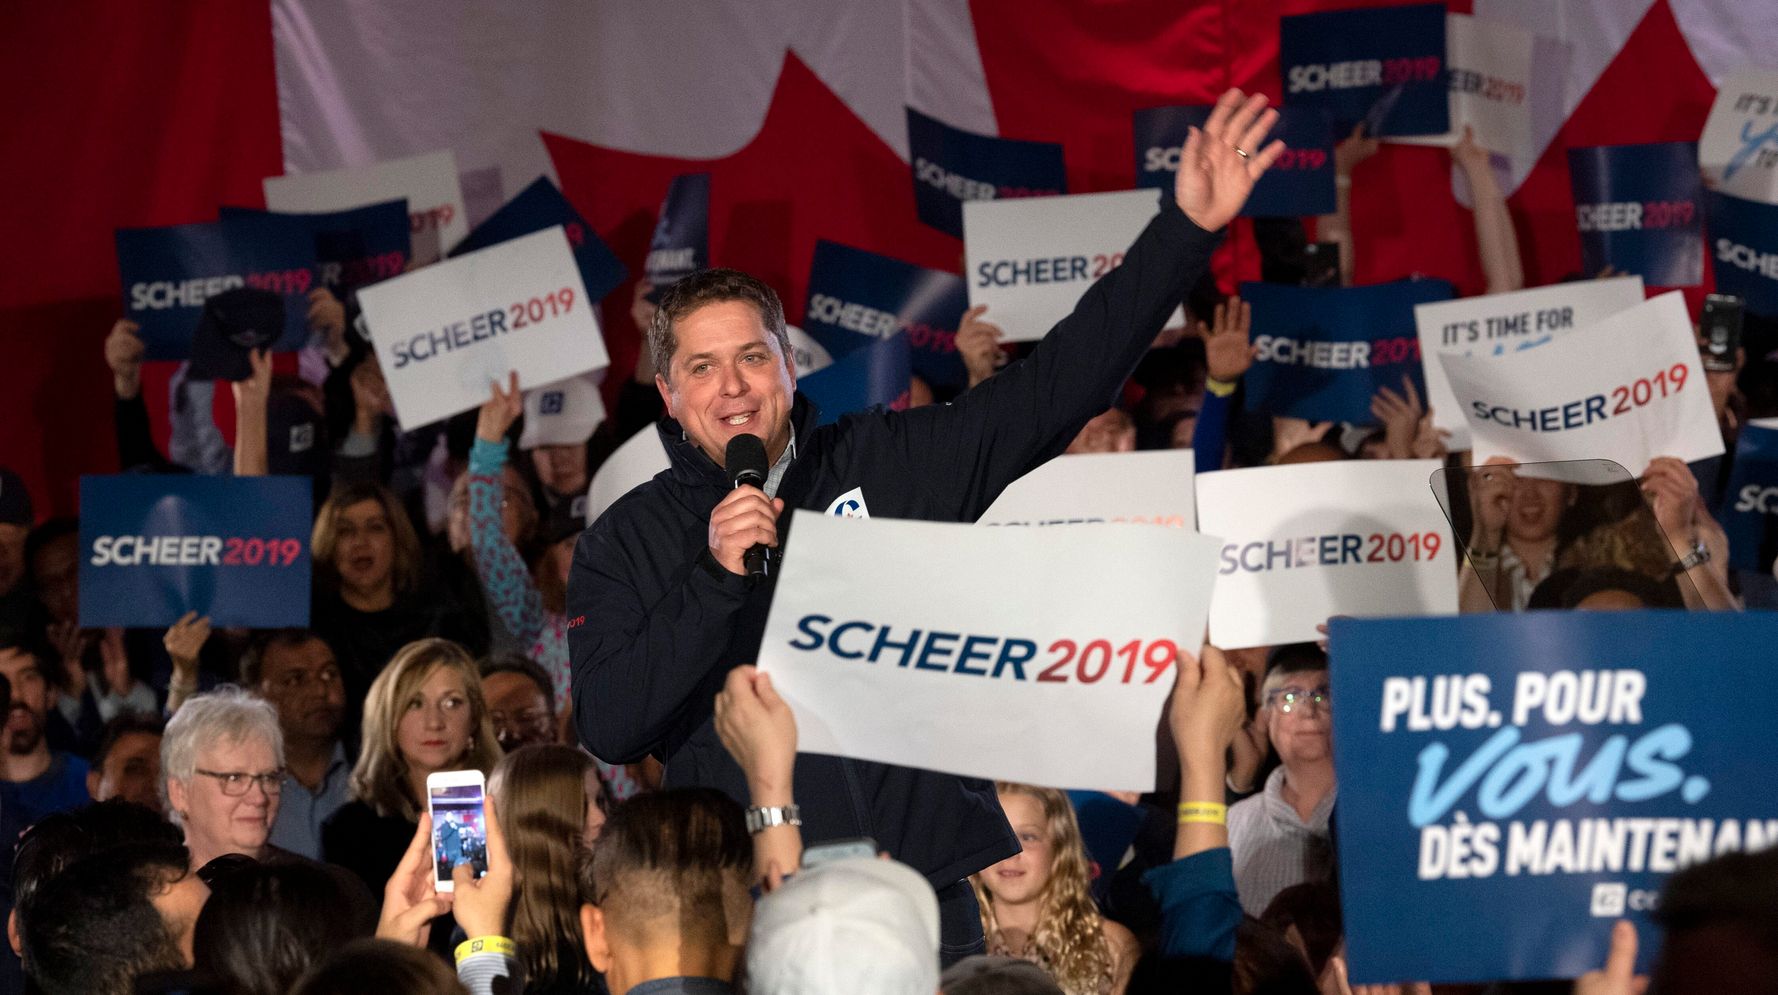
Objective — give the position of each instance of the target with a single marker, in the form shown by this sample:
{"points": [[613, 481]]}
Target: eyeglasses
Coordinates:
{"points": [[1289, 699], [235, 782]]}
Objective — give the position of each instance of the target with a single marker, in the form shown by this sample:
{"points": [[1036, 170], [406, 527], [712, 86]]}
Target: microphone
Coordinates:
{"points": [[745, 461]]}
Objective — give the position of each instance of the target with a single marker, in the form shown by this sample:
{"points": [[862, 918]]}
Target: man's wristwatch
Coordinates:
{"points": [[1699, 556], [777, 815]]}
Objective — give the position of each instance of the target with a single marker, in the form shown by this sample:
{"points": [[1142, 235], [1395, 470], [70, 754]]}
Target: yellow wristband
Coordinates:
{"points": [[487, 945], [1221, 388], [1205, 812]]}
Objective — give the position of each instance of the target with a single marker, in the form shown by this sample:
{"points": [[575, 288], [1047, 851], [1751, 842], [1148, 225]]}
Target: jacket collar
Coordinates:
{"points": [[691, 465]]}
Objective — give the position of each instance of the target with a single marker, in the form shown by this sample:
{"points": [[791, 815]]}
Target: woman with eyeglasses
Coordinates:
{"points": [[222, 760], [1279, 837], [424, 714]]}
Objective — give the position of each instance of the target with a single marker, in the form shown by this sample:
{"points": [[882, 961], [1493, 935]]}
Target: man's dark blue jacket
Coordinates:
{"points": [[655, 623]]}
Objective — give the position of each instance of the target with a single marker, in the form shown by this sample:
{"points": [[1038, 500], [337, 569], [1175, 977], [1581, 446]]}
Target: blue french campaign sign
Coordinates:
{"points": [[681, 243], [1299, 184], [541, 206], [1749, 512], [867, 377], [1324, 351], [1744, 250], [1383, 66], [1522, 781], [355, 247], [1638, 208], [155, 546], [168, 273], [858, 297], [951, 165]]}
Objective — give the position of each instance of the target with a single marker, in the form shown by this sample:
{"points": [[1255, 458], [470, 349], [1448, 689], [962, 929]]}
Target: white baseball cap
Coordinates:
{"points": [[859, 925], [564, 413]]}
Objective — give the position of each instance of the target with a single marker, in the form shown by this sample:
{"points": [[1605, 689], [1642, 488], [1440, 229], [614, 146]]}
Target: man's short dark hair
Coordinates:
{"points": [[711, 286], [253, 661], [93, 929], [58, 840], [1721, 934], [682, 856], [125, 724], [518, 663]]}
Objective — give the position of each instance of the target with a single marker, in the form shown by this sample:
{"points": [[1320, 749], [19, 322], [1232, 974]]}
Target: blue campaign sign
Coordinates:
{"points": [[1744, 250], [1749, 512], [355, 247], [168, 273], [858, 297], [541, 206], [1324, 351], [1638, 209], [866, 377], [951, 166], [155, 546], [1384, 66], [1299, 184], [1521, 781], [681, 243]]}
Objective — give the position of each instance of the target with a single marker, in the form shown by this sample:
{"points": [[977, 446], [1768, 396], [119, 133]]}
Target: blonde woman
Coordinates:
{"points": [[1035, 904], [424, 714], [551, 804]]}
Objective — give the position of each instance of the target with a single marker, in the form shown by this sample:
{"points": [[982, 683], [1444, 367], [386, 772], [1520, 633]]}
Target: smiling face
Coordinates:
{"points": [[216, 822], [1537, 507], [1022, 877], [728, 377]]}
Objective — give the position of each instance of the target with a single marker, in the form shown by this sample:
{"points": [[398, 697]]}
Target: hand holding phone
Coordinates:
{"points": [[457, 802]]}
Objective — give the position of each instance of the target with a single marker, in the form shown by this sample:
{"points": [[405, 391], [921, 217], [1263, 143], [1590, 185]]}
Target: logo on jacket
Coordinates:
{"points": [[849, 505]]}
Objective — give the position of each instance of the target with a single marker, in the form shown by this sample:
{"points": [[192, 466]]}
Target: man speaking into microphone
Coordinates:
{"points": [[664, 598]]}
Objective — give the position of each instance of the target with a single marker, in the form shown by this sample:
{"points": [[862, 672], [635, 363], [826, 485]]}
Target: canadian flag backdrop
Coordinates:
{"points": [[155, 114]]}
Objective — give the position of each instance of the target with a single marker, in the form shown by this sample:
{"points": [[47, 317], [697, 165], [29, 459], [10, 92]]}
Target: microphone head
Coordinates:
{"points": [[745, 460]]}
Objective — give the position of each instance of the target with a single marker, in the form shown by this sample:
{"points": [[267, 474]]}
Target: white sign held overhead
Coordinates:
{"points": [[1626, 388], [1497, 324], [1029, 259], [1145, 488], [443, 333], [631, 465], [437, 218], [1304, 543], [1490, 79], [1062, 681], [1738, 151]]}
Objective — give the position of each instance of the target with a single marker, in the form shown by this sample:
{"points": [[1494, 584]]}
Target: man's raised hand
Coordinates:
{"points": [[1219, 164]]}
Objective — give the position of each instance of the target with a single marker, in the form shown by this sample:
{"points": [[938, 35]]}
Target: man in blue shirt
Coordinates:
{"points": [[34, 780], [295, 670]]}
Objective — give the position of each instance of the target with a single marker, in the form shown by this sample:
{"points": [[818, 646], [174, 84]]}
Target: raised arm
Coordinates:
{"points": [[1496, 242], [505, 578], [969, 450], [252, 396]]}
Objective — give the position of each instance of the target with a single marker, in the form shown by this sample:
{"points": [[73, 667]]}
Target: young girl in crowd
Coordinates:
{"points": [[424, 714], [1035, 904], [551, 803]]}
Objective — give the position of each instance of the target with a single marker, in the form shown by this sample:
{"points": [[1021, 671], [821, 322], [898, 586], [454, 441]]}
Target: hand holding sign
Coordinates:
{"points": [[1619, 976], [123, 353], [1219, 165], [757, 727], [978, 342], [503, 407]]}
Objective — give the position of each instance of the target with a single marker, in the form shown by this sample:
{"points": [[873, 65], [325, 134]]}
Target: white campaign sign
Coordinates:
{"points": [[1029, 259], [443, 333], [1146, 488], [437, 217], [1627, 388], [810, 356], [1496, 324], [1304, 543], [628, 467], [1491, 86], [1738, 151], [1004, 664]]}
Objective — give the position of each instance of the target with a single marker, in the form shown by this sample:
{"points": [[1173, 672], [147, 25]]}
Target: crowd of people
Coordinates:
{"points": [[211, 809]]}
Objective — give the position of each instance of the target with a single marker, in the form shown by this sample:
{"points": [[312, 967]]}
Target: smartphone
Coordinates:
{"points": [[861, 846], [458, 803], [1720, 325], [1321, 264]]}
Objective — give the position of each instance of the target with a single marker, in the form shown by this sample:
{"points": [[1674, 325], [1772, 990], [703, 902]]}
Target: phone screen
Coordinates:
{"points": [[1720, 324], [459, 828]]}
